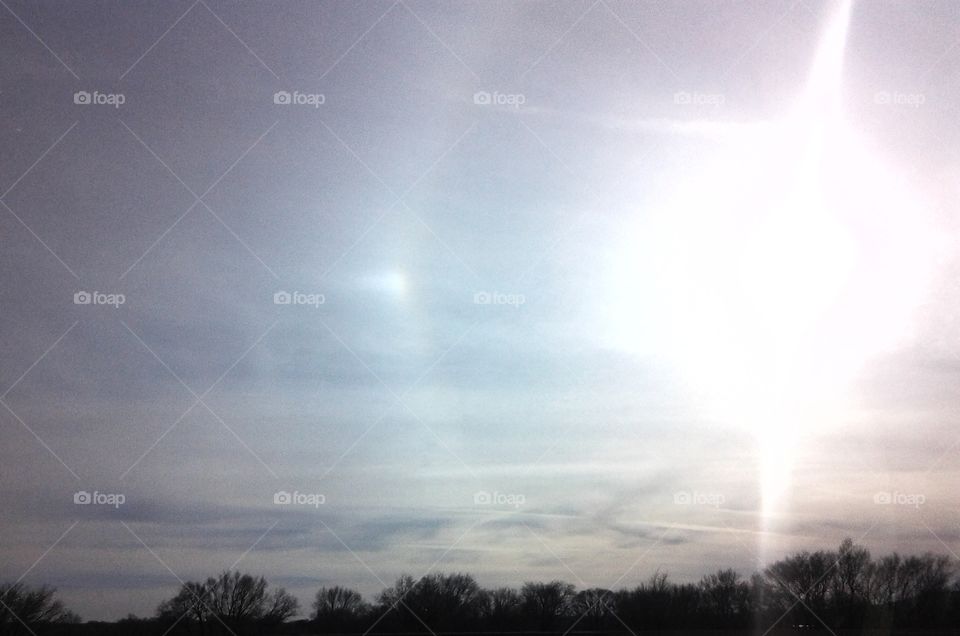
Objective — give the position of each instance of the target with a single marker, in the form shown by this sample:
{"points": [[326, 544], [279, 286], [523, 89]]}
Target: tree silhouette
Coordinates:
{"points": [[499, 607], [594, 605], [725, 597], [338, 608], [231, 602], [843, 589], [26, 610], [546, 601]]}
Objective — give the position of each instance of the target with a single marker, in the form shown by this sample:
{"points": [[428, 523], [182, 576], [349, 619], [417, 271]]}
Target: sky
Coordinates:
{"points": [[581, 289]]}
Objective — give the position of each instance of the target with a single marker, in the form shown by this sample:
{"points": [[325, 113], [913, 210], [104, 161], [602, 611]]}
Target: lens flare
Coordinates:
{"points": [[780, 269]]}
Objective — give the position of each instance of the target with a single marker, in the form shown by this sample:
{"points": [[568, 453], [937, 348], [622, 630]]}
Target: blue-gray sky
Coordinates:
{"points": [[673, 283]]}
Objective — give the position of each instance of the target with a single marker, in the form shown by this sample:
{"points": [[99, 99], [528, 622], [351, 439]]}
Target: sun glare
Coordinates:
{"points": [[784, 266], [391, 283]]}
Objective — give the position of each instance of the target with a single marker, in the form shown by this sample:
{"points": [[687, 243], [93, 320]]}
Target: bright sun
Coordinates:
{"points": [[783, 267]]}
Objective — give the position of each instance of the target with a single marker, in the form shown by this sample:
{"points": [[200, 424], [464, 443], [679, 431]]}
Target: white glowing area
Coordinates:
{"points": [[392, 283], [395, 282], [778, 268]]}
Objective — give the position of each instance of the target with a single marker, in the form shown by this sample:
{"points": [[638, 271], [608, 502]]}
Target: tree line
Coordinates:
{"points": [[828, 589]]}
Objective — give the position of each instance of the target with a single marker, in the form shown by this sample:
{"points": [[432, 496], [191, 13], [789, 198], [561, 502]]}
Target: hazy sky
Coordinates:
{"points": [[666, 281]]}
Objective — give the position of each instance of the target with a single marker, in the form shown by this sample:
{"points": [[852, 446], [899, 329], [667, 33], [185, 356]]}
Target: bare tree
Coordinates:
{"points": [[228, 602], [191, 604], [725, 596], [336, 601], [238, 597], [444, 599], [392, 601], [24, 609], [883, 588], [546, 601], [593, 606], [279, 607], [337, 608], [658, 583], [806, 576], [851, 583], [499, 606]]}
